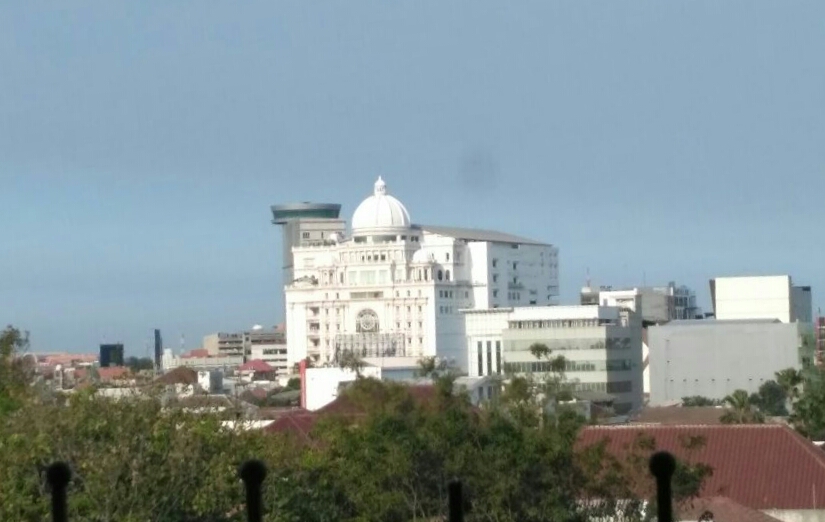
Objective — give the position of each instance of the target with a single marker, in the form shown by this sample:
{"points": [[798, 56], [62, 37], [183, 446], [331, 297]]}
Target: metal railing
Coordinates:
{"points": [[253, 474]]}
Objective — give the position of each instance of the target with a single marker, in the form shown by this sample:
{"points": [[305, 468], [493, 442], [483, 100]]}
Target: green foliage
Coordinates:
{"points": [[808, 415], [135, 459], [137, 364], [349, 360], [698, 401], [741, 410], [14, 373], [771, 399], [293, 384]]}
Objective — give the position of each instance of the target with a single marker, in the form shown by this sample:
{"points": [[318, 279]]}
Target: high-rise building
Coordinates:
{"points": [[111, 355], [391, 288], [158, 350], [305, 224]]}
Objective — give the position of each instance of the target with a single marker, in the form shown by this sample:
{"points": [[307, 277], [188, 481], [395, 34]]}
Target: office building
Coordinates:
{"points": [[392, 288], [601, 345], [111, 355]]}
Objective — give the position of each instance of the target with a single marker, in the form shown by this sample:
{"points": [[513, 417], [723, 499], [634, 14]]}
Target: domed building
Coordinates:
{"points": [[389, 288]]}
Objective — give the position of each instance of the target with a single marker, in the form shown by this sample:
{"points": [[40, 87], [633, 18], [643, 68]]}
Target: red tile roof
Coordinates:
{"points": [[113, 372], [723, 509], [197, 352], [180, 375], [301, 422], [257, 366], [680, 415], [761, 466]]}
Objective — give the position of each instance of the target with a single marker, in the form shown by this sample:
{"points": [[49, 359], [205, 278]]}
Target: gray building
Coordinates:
{"points": [[713, 358]]}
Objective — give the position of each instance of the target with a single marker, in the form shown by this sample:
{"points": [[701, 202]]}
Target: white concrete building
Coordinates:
{"points": [[713, 358], [602, 346], [170, 361], [394, 289], [761, 297]]}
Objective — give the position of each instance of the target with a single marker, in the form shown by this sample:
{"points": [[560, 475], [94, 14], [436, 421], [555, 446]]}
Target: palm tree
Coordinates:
{"points": [[740, 409], [789, 379], [350, 360]]}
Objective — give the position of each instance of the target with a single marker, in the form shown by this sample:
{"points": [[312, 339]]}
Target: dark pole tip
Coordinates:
{"points": [[58, 475], [662, 465], [253, 472]]}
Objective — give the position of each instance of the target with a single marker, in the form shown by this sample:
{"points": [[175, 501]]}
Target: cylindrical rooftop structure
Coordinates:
{"points": [[282, 214]]}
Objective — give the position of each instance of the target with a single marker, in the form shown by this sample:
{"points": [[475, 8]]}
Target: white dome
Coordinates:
{"points": [[421, 256], [380, 214]]}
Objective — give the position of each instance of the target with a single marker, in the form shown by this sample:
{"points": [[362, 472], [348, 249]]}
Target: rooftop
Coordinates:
{"points": [[680, 415], [761, 466], [474, 234]]}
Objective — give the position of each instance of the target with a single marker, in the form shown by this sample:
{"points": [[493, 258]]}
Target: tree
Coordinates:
{"points": [[808, 416], [790, 380], [349, 360], [770, 399], [137, 364], [698, 401], [740, 409], [15, 374], [619, 485]]}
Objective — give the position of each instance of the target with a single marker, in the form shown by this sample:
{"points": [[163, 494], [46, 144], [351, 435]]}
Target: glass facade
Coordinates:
{"points": [[615, 365], [557, 345]]}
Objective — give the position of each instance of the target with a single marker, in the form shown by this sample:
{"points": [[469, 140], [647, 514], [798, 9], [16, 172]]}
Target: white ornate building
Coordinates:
{"points": [[394, 289]]}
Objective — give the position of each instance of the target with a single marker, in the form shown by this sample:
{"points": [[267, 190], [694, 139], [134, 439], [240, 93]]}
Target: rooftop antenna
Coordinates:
{"points": [[182, 343], [587, 278]]}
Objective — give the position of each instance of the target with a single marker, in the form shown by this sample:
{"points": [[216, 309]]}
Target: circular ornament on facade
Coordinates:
{"points": [[367, 320]]}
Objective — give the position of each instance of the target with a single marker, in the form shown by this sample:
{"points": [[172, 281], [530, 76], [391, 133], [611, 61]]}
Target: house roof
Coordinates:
{"points": [[112, 372], [723, 509], [761, 466], [301, 422], [256, 365], [197, 352], [474, 234], [670, 415], [180, 375]]}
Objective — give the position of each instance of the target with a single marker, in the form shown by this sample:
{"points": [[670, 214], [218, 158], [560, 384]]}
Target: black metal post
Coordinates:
{"points": [[456, 502], [662, 466], [253, 473], [58, 476]]}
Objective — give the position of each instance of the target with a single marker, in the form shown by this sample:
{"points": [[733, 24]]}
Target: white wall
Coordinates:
{"points": [[761, 297], [322, 384]]}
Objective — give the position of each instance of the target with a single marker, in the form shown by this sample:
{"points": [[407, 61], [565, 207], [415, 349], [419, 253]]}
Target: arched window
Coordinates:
{"points": [[440, 275], [447, 275]]}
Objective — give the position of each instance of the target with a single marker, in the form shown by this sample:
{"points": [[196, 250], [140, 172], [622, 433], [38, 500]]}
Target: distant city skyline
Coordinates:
{"points": [[141, 146]]}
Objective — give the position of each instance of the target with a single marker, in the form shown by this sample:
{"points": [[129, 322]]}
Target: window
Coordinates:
{"points": [[448, 256], [440, 275], [495, 278], [480, 365], [489, 358], [305, 235], [448, 275], [495, 293], [495, 262], [498, 357]]}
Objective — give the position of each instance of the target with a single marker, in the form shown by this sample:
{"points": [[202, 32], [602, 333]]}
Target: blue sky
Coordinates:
{"points": [[142, 143]]}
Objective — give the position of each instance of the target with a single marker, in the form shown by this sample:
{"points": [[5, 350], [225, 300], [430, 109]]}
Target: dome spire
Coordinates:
{"points": [[380, 187]]}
